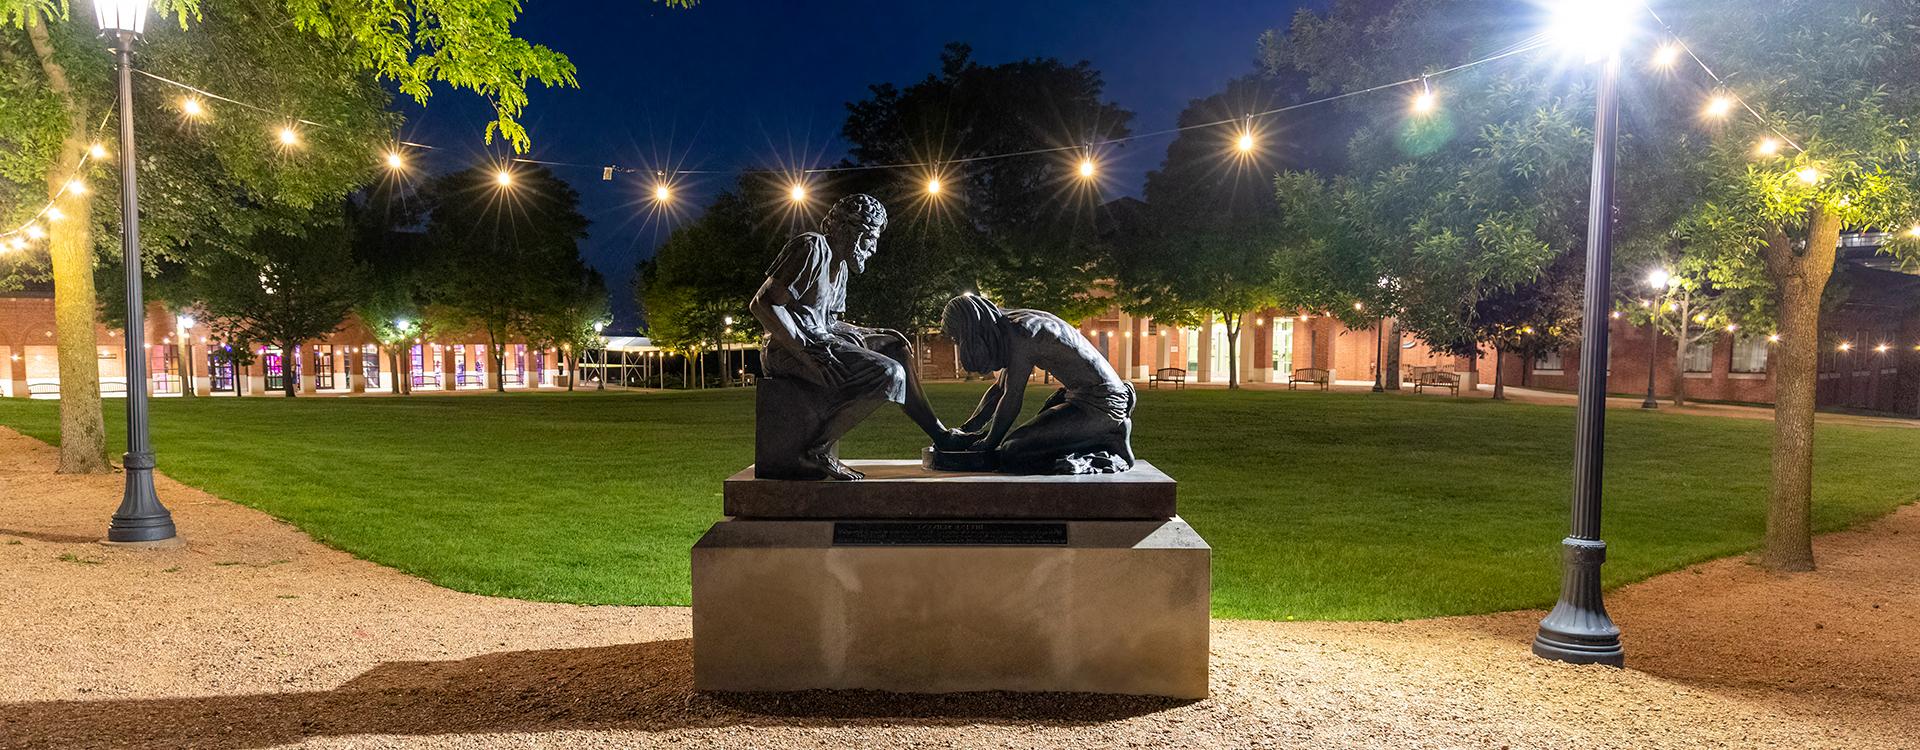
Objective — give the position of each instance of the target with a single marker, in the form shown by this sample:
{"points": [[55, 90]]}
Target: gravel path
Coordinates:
{"points": [[255, 636]]}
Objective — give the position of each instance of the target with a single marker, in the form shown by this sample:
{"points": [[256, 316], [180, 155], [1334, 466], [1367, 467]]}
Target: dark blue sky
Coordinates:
{"points": [[743, 83]]}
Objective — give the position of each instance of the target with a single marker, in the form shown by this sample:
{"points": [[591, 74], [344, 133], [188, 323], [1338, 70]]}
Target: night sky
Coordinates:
{"points": [[744, 83]]}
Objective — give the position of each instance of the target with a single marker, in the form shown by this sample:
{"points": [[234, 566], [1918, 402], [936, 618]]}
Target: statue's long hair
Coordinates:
{"points": [[976, 326]]}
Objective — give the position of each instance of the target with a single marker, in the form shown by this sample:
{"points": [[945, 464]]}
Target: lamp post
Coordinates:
{"points": [[1577, 629], [726, 366], [141, 517], [1659, 280], [183, 333]]}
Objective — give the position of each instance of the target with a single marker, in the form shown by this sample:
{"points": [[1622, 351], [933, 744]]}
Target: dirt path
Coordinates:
{"points": [[255, 636]]}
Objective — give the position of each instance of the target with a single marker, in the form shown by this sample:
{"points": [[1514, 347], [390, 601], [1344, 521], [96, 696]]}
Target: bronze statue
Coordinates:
{"points": [[1086, 427], [824, 374]]}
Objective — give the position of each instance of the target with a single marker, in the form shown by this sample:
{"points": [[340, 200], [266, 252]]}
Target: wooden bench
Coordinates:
{"points": [[1174, 375], [1438, 379], [1414, 373], [1312, 376]]}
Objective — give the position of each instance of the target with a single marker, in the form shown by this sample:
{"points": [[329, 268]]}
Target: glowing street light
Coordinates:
{"points": [[140, 517]]}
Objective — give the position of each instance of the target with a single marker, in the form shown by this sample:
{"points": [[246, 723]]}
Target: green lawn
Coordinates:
{"points": [[1318, 506]]}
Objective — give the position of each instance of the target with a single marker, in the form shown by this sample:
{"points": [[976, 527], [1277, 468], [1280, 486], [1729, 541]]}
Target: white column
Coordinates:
{"points": [[1204, 342], [1124, 364]]}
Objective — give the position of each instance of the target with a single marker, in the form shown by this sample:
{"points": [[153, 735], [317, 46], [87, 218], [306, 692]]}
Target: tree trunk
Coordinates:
{"points": [[1233, 349], [499, 354], [83, 434], [1799, 279], [289, 369], [1499, 374], [1680, 357]]}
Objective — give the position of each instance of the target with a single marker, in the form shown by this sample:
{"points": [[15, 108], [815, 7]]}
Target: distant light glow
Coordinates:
{"points": [[1773, 338], [1882, 348], [1846, 346], [1767, 147], [76, 187], [97, 151], [1659, 278], [1719, 106], [55, 214], [1915, 231], [34, 231], [1808, 175]]}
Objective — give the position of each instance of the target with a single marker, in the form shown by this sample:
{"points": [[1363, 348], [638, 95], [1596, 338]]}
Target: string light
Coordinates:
{"points": [[33, 231], [1666, 56], [1882, 348], [1426, 101], [933, 186], [797, 193], [503, 178], [395, 162], [1086, 167], [1773, 338], [191, 107], [55, 214], [1808, 175], [76, 187], [289, 136], [97, 151], [1915, 231], [1357, 306], [1731, 327], [661, 193], [1245, 143], [1719, 106], [1767, 147], [1846, 346]]}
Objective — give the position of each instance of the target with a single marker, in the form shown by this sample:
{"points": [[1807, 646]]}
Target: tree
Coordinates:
{"points": [[503, 254], [1207, 239], [567, 325], [55, 93], [1020, 244], [1838, 83], [287, 291], [707, 271]]}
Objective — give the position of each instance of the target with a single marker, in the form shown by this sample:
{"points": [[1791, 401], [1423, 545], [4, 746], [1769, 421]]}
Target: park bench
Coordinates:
{"points": [[1311, 376], [1438, 379], [1415, 372], [1174, 375]]}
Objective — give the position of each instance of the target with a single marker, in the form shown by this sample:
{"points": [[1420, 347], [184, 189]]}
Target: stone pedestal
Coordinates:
{"points": [[1081, 584]]}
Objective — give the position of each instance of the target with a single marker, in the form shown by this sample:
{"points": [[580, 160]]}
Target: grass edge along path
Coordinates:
{"points": [[1318, 506]]}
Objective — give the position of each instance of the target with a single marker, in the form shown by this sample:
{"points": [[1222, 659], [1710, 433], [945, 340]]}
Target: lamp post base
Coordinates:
{"points": [[1578, 630], [141, 517], [1649, 404]]}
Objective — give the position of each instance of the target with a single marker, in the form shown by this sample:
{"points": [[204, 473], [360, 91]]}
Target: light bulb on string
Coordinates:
{"points": [[503, 178], [797, 193], [33, 231], [1086, 167], [1245, 143], [191, 107], [1808, 175], [933, 186], [395, 161], [1719, 106], [97, 151], [55, 214], [288, 136], [1915, 231], [1767, 147], [662, 193], [76, 187], [1666, 55], [1425, 102]]}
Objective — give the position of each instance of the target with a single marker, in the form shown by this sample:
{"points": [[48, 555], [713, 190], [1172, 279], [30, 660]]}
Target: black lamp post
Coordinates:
{"points": [[1578, 629], [141, 517], [1658, 280]]}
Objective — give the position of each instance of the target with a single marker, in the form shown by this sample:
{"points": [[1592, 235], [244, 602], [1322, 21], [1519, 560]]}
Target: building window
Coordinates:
{"points": [[1750, 354], [1548, 361], [1700, 356]]}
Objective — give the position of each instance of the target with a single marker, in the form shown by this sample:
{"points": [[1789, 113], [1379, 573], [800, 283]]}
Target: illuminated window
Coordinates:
{"points": [[1750, 354], [1549, 361], [1700, 356]]}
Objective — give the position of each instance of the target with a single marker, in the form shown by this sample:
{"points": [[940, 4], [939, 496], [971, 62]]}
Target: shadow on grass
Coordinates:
{"points": [[640, 686]]}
